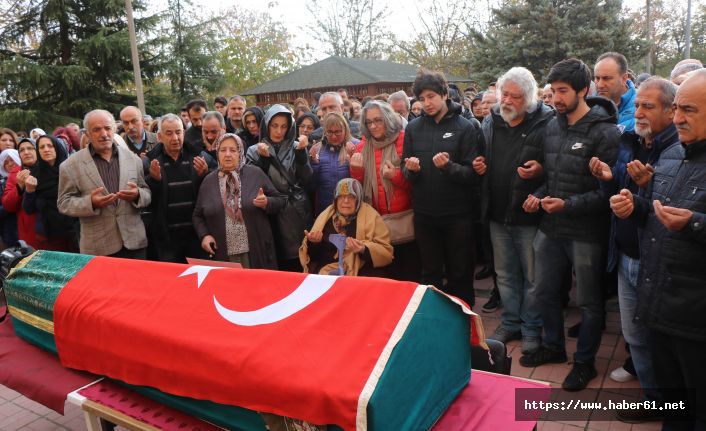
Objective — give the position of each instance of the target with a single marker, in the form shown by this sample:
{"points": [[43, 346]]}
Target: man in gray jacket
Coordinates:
{"points": [[104, 186]]}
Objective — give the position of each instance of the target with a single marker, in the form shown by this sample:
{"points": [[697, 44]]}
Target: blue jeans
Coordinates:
{"points": [[554, 257], [514, 264], [636, 333]]}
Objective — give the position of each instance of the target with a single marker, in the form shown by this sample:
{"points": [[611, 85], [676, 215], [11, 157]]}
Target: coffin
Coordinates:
{"points": [[248, 349]]}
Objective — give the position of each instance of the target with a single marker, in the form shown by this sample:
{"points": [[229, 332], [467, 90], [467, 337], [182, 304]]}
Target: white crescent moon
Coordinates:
{"points": [[310, 290]]}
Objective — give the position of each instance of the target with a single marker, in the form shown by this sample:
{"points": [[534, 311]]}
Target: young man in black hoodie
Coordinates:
{"points": [[574, 228], [439, 148]]}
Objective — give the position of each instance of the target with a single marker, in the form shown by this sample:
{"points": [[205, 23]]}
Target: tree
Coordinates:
{"points": [[537, 34], [62, 58], [442, 40], [351, 28], [254, 49], [668, 32], [189, 52]]}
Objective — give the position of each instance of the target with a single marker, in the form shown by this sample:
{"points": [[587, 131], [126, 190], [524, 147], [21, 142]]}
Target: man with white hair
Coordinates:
{"points": [[682, 69], [511, 170], [333, 102], [400, 104], [104, 186]]}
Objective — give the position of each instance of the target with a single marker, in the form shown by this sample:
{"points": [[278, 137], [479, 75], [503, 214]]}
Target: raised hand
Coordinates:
{"points": [[155, 172], [260, 200], [479, 165], [531, 204], [314, 237], [441, 160], [622, 204], [531, 169], [412, 164], [99, 200]]}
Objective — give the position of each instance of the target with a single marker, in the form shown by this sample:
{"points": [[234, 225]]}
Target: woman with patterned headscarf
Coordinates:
{"points": [[367, 240], [231, 213]]}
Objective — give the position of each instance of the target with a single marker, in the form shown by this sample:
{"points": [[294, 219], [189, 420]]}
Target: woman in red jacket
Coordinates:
{"points": [[376, 164], [14, 189]]}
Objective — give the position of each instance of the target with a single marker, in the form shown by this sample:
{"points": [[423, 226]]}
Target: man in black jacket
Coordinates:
{"points": [[511, 169], [193, 137], [574, 228], [639, 152], [174, 175], [672, 280], [439, 148]]}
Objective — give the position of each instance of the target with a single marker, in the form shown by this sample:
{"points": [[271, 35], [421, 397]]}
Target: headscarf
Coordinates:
{"points": [[347, 186], [39, 133], [55, 223], [312, 117], [11, 153], [231, 196], [249, 138]]}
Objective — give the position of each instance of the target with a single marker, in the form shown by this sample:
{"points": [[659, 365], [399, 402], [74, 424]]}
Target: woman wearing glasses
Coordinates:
{"points": [[376, 164], [329, 159]]}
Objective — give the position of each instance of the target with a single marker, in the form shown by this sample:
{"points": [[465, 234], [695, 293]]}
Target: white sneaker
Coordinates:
{"points": [[621, 375]]}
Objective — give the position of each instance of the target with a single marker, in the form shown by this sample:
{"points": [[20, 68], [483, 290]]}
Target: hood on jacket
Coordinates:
{"points": [[312, 117], [454, 109], [257, 112], [269, 115], [602, 111]]}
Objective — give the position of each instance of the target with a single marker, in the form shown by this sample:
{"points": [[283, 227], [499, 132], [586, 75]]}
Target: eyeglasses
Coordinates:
{"points": [[377, 121], [334, 133]]}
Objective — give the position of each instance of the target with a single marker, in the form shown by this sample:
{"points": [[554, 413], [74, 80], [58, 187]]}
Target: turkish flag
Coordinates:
{"points": [[297, 345]]}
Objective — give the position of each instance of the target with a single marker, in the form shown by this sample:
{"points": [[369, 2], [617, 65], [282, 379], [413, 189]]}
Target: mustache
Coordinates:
{"points": [[683, 127]]}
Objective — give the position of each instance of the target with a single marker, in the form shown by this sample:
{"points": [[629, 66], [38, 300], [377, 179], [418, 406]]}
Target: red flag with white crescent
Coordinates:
{"points": [[297, 345]]}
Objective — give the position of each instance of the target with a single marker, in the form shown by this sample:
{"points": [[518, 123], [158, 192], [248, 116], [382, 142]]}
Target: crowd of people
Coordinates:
{"points": [[597, 177]]}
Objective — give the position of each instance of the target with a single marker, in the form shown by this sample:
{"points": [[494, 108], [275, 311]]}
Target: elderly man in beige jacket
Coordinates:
{"points": [[104, 186]]}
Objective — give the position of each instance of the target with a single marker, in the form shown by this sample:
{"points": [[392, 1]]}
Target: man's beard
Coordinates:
{"points": [[568, 109], [508, 113], [643, 131]]}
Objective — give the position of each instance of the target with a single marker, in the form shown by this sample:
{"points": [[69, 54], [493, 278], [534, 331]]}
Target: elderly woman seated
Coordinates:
{"points": [[352, 226]]}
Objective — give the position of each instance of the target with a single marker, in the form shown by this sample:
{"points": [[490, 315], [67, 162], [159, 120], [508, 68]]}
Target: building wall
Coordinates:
{"points": [[356, 91]]}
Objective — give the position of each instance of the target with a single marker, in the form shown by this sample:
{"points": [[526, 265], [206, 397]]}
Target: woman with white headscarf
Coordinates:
{"points": [[9, 161]]}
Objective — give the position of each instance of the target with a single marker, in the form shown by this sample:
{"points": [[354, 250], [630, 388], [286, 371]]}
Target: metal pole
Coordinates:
{"points": [[648, 61], [135, 58], [687, 30]]}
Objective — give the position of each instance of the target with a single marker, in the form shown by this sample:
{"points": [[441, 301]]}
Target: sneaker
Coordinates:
{"points": [[622, 375], [493, 303], [638, 415], [530, 344], [542, 356], [484, 272], [504, 335], [579, 376]]}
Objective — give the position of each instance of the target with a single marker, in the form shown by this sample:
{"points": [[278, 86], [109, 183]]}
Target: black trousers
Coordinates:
{"points": [[681, 373], [179, 247], [446, 248]]}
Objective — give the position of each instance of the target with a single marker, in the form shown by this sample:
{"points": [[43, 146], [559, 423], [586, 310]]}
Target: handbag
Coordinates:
{"points": [[401, 226]]}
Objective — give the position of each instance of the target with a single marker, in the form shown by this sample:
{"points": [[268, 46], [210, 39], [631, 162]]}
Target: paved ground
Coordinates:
{"points": [[19, 413]]}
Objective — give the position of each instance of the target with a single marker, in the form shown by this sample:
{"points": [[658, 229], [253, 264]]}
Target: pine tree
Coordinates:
{"points": [[62, 58], [537, 34]]}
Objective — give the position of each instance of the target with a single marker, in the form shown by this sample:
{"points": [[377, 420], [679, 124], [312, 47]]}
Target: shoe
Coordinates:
{"points": [[638, 415], [579, 376], [542, 356], [622, 375], [484, 272], [493, 303], [504, 336], [530, 344]]}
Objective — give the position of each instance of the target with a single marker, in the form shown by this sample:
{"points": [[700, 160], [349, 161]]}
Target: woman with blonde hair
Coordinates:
{"points": [[330, 159]]}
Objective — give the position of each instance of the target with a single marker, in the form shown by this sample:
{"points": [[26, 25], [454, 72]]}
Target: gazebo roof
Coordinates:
{"points": [[337, 71]]}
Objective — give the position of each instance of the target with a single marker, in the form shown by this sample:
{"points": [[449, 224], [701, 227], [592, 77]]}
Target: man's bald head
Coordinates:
{"points": [[131, 117], [690, 103]]}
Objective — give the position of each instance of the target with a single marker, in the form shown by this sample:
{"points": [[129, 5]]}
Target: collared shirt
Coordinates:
{"points": [[108, 170], [138, 145]]}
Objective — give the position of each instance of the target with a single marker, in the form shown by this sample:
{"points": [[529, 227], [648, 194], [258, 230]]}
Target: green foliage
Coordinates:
{"points": [[61, 58], [537, 34], [254, 49]]}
